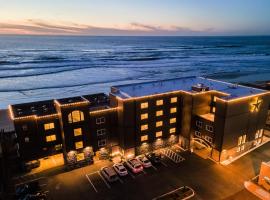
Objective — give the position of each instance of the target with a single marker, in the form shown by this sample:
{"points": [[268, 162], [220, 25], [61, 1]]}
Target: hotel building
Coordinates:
{"points": [[214, 119]]}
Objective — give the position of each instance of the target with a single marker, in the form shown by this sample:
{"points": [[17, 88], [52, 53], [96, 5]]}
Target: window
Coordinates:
{"points": [[241, 143], [24, 127], [26, 139], [144, 127], [101, 132], [48, 126], [159, 102], [240, 140], [79, 145], [77, 131], [144, 105], [198, 134], [100, 120], [172, 120], [199, 124], [173, 110], [209, 128], [144, 138], [75, 116], [159, 113], [208, 139], [173, 99], [213, 109], [214, 99], [172, 130], [102, 143], [159, 123], [50, 138], [159, 134], [144, 116], [261, 133]]}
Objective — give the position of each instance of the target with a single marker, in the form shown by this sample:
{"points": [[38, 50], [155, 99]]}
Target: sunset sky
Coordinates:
{"points": [[135, 17]]}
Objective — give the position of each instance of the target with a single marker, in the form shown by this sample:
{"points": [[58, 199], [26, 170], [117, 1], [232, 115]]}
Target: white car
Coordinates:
{"points": [[134, 165], [109, 174], [144, 161], [120, 169]]}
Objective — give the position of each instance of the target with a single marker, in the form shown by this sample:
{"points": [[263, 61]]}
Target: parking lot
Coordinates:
{"points": [[208, 179]]}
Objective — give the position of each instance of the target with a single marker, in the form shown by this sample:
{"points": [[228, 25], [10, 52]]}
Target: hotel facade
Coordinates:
{"points": [[214, 119]]}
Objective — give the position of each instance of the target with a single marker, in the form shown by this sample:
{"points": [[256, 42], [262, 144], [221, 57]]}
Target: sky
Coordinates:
{"points": [[135, 17]]}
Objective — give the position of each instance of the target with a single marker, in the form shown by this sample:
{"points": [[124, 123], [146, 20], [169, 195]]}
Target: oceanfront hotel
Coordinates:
{"points": [[216, 120]]}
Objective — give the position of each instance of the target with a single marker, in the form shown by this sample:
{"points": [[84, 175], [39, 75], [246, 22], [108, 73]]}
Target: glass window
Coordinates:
{"points": [[48, 126], [214, 99], [172, 120], [144, 105], [100, 120], [159, 134], [144, 138], [240, 140], [159, 123], [77, 131], [159, 102], [79, 145], [50, 138], [144, 127], [173, 110], [101, 132], [199, 124], [159, 113], [213, 109], [172, 130], [198, 134], [209, 128], [244, 139], [173, 99], [144, 116], [75, 116], [102, 143]]}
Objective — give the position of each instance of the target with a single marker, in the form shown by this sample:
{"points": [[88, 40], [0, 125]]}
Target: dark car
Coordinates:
{"points": [[154, 158]]}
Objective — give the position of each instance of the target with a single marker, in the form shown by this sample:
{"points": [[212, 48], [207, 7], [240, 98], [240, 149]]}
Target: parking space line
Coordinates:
{"points": [[89, 180], [107, 184], [131, 175], [154, 167], [164, 164]]}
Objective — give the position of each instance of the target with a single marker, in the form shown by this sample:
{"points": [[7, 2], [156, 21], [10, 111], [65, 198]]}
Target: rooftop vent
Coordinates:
{"points": [[200, 87]]}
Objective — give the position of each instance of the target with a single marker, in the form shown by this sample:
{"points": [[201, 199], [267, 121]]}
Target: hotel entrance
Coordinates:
{"points": [[201, 148]]}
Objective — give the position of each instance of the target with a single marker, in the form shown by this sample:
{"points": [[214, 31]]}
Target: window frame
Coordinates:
{"points": [[159, 102], [101, 132], [174, 100], [100, 120], [102, 143], [209, 128]]}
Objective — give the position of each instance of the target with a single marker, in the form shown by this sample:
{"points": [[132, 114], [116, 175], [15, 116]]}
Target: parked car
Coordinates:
{"points": [[109, 174], [154, 158], [144, 161], [120, 169], [134, 165]]}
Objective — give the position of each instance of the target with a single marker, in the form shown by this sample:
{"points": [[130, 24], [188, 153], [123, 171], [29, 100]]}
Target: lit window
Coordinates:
{"points": [[208, 139], [213, 109], [173, 99], [198, 134], [102, 143], [101, 132], [173, 110], [214, 99], [79, 145], [80, 156], [159, 134], [77, 131], [144, 105], [159, 102], [209, 128], [75, 116], [144, 127], [256, 135], [261, 133], [144, 116], [144, 138], [100, 120], [159, 113], [50, 138], [172, 120], [244, 139], [172, 130], [199, 124], [26, 139], [48, 126], [159, 123]]}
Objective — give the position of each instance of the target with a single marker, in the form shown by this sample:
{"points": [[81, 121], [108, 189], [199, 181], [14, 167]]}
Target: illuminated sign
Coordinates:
{"points": [[255, 105]]}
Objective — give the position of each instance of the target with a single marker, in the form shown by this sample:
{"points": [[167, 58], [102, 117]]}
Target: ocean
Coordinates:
{"points": [[36, 68]]}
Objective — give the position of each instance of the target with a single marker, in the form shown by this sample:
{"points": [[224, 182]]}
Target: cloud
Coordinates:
{"points": [[42, 27]]}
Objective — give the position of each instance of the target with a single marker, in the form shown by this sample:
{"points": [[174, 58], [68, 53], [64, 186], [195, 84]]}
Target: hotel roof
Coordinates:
{"points": [[183, 84]]}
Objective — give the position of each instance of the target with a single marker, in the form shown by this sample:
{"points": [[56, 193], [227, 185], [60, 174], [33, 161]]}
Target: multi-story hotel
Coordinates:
{"points": [[214, 119]]}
